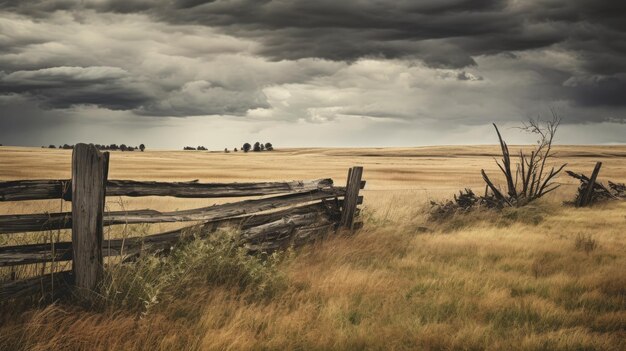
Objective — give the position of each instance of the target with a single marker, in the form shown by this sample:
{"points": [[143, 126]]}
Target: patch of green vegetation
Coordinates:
{"points": [[530, 214], [443, 311], [522, 314], [522, 289], [217, 261], [534, 215]]}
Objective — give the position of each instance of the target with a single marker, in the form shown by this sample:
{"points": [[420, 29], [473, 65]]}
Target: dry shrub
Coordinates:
{"points": [[543, 266], [457, 219], [585, 242], [465, 202]]}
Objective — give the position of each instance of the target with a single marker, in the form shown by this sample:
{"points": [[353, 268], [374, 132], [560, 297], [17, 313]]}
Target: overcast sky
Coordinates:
{"points": [[309, 73]]}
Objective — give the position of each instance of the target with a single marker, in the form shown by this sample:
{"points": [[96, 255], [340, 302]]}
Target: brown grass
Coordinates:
{"points": [[523, 279]]}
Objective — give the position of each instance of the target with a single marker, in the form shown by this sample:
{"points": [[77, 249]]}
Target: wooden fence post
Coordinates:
{"points": [[90, 170], [585, 199], [352, 197]]}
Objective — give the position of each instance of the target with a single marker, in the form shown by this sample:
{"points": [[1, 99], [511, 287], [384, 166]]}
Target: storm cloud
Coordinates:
{"points": [[429, 64]]}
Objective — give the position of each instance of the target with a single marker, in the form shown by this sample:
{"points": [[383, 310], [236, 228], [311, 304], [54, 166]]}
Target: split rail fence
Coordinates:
{"points": [[301, 212]]}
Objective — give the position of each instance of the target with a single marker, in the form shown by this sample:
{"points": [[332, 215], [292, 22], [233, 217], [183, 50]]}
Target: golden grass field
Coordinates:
{"points": [[514, 280]]}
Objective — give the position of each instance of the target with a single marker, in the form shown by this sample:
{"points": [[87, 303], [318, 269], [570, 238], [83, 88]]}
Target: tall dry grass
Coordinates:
{"points": [[545, 277]]}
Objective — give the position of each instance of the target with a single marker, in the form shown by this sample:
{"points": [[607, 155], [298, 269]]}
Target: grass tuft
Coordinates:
{"points": [[217, 261], [585, 242]]}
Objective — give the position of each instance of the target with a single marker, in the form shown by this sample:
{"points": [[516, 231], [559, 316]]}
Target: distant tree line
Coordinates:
{"points": [[257, 147], [200, 148], [112, 147]]}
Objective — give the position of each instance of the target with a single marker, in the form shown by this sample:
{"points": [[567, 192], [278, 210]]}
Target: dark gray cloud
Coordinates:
{"points": [[441, 32], [63, 87], [433, 31], [439, 62], [204, 98], [598, 90]]}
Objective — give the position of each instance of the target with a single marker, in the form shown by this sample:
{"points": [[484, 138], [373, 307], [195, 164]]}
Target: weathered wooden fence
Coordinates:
{"points": [[302, 211], [591, 190]]}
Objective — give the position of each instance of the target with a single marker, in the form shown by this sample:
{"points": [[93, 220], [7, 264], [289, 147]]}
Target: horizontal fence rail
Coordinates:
{"points": [[62, 251], [20, 190], [43, 284], [10, 224], [290, 213]]}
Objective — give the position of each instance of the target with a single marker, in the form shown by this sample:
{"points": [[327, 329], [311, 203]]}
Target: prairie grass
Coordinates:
{"points": [[545, 277], [217, 261]]}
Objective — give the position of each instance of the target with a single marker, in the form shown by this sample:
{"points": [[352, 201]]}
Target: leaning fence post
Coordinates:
{"points": [[585, 199], [351, 198], [90, 170]]}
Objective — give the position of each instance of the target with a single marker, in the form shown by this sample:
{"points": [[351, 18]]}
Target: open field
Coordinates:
{"points": [[506, 281]]}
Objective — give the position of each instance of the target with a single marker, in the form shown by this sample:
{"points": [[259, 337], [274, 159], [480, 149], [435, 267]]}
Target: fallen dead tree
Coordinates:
{"points": [[532, 179], [591, 191], [619, 189], [464, 202]]}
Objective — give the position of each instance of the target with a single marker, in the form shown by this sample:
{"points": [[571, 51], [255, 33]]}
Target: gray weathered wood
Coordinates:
{"points": [[34, 253], [42, 285], [281, 227], [38, 253], [212, 190], [56, 189], [89, 175], [302, 233], [41, 189], [54, 221], [352, 196], [598, 187], [306, 213], [493, 188], [585, 199], [226, 210], [619, 189], [299, 237]]}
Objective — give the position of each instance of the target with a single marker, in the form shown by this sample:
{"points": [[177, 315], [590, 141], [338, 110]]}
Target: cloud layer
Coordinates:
{"points": [[431, 64]]}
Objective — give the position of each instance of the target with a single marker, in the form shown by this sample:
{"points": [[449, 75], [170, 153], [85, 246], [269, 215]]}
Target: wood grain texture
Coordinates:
{"points": [[211, 190], [57, 189], [89, 174], [293, 230], [41, 285], [351, 198], [585, 199], [250, 225], [39, 189], [54, 221]]}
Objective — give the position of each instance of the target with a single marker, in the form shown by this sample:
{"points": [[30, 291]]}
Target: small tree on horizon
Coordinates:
{"points": [[142, 147], [269, 147], [246, 147], [257, 147]]}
